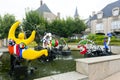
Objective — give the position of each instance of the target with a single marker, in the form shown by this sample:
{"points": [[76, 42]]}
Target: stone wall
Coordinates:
{"points": [[98, 68]]}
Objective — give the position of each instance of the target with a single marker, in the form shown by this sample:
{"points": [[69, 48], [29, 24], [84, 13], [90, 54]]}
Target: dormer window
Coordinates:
{"points": [[115, 11], [100, 15]]}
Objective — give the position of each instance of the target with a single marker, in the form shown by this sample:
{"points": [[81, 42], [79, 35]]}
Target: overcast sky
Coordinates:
{"points": [[65, 7]]}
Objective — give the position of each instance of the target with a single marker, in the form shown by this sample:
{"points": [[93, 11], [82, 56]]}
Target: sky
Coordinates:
{"points": [[66, 8]]}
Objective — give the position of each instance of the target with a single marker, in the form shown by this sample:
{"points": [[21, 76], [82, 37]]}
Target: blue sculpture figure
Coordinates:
{"points": [[107, 42]]}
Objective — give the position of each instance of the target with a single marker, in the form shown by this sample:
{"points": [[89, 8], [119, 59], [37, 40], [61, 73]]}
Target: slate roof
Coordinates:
{"points": [[76, 13], [107, 10], [43, 8]]}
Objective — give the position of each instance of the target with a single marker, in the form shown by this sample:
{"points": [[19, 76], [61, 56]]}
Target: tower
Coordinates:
{"points": [[76, 15]]}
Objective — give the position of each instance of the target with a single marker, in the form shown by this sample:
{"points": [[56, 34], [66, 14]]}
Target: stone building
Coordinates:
{"points": [[46, 12], [106, 20]]}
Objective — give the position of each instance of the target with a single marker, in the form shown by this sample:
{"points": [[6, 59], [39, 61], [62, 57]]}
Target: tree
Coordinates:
{"points": [[65, 28], [70, 26], [5, 23], [1, 27], [56, 27], [59, 27], [79, 26], [34, 21]]}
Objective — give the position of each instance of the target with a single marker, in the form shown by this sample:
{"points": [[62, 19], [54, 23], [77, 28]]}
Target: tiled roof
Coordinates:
{"points": [[43, 8], [107, 10]]}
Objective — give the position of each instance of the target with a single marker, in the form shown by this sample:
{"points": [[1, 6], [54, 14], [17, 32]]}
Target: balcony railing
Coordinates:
{"points": [[115, 30], [99, 31]]}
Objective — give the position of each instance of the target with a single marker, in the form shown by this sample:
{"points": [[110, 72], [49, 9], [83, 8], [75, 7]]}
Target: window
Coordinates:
{"points": [[115, 11], [99, 26], [100, 15], [115, 25]]}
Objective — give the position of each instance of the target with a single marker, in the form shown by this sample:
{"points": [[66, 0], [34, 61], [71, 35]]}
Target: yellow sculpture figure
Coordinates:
{"points": [[18, 45]]}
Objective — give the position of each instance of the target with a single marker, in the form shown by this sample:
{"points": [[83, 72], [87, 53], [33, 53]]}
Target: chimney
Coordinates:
{"points": [[41, 3], [58, 15], [93, 13]]}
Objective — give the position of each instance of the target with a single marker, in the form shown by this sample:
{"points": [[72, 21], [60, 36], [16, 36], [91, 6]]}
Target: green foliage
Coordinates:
{"points": [[79, 26], [73, 40], [57, 27], [91, 36], [5, 23], [34, 21], [66, 28], [115, 41], [99, 39]]}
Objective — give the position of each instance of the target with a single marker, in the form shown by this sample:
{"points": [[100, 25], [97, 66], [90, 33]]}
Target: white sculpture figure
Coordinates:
{"points": [[47, 40]]}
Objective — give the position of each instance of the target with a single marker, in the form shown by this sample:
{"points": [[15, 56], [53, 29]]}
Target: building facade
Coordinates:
{"points": [[46, 12], [106, 20]]}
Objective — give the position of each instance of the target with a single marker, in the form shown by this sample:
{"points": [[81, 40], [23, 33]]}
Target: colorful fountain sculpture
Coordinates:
{"points": [[18, 46], [89, 49], [20, 52], [55, 47]]}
